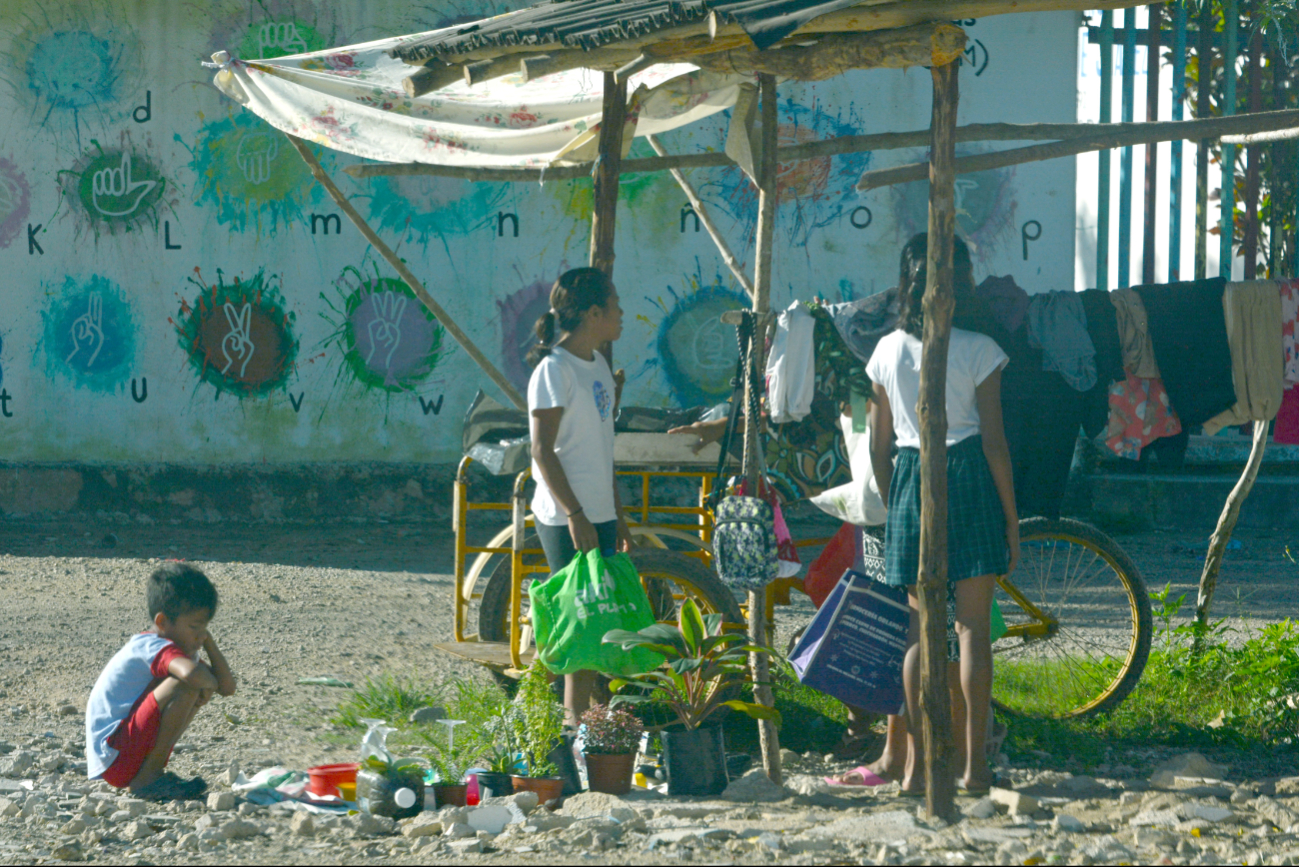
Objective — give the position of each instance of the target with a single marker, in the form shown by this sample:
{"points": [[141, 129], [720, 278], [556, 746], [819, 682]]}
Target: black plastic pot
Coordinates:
{"points": [[492, 785], [562, 758], [695, 761]]}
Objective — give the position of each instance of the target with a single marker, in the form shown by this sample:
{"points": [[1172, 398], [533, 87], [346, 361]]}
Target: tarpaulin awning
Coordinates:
{"points": [[351, 99]]}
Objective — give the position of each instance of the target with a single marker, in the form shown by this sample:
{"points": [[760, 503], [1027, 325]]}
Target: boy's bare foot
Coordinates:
{"points": [[170, 787]]}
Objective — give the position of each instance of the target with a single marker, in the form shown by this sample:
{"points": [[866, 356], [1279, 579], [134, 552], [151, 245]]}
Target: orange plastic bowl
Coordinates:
{"points": [[325, 779]]}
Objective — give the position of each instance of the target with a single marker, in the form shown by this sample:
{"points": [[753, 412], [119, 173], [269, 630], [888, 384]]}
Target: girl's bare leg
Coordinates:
{"points": [[973, 629], [914, 768], [577, 695]]}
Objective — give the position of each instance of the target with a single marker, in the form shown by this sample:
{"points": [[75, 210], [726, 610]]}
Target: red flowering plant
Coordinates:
{"points": [[611, 732]]}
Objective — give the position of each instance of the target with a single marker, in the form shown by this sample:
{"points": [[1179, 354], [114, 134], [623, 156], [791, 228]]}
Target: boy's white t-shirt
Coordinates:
{"points": [[584, 445], [123, 681], [895, 364]]}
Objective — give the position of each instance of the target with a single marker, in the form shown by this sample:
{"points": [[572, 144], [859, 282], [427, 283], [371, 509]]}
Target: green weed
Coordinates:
{"points": [[390, 698]]}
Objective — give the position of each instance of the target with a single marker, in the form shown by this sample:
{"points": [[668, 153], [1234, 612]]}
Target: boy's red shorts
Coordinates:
{"points": [[133, 740]]}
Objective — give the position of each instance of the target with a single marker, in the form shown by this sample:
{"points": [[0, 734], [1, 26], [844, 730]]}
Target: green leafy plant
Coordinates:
{"points": [[389, 697], [479, 705], [537, 720], [610, 731], [703, 666]]}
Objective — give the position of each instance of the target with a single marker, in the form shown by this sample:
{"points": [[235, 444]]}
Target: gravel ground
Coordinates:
{"points": [[353, 599]]}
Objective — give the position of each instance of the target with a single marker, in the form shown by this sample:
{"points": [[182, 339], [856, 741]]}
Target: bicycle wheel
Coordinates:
{"points": [[669, 578], [1079, 623]]}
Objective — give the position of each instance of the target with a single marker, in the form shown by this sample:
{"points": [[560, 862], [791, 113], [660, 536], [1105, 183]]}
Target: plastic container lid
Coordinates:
{"points": [[405, 798]]}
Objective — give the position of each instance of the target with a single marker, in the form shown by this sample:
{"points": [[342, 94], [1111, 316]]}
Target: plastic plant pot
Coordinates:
{"points": [[610, 774], [695, 761]]}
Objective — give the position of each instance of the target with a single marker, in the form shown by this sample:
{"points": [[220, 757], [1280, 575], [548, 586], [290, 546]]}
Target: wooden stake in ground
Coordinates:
{"points": [[506, 387], [935, 703], [1226, 523], [767, 734]]}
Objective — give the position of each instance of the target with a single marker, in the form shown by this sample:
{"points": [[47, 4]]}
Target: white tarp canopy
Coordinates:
{"points": [[351, 99]]}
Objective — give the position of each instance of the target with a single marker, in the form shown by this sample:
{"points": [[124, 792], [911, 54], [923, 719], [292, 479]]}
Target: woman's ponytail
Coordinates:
{"points": [[574, 293], [545, 329]]}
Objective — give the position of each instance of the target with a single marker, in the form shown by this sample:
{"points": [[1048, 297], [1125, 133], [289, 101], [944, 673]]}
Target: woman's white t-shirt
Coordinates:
{"points": [[584, 446], [895, 365]]}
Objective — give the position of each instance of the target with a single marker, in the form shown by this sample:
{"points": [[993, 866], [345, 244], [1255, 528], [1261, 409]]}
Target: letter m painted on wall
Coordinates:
{"points": [[321, 221]]}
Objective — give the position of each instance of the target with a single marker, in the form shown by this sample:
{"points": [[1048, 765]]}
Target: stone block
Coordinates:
{"points": [[221, 801], [1068, 824], [1017, 803], [467, 846], [425, 825], [240, 829], [754, 787], [458, 831], [428, 715], [984, 808], [1186, 765], [135, 831], [302, 825]]}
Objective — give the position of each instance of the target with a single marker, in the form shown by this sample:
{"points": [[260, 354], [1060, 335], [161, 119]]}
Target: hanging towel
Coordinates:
{"points": [[1139, 415], [1007, 301], [1057, 325], [1253, 314], [1130, 318], [1286, 429], [863, 322], [1289, 290], [791, 366], [1102, 328], [1189, 334]]}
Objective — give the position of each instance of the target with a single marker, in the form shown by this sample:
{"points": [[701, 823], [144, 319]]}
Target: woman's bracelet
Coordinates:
{"points": [[576, 513]]}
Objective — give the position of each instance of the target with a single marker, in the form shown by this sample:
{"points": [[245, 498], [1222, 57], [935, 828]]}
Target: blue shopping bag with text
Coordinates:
{"points": [[853, 648]]}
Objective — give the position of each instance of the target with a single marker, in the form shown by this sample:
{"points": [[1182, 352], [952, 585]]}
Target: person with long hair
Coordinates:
{"points": [[571, 401], [982, 520]]}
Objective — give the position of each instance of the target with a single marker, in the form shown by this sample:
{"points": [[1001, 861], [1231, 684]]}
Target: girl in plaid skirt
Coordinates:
{"points": [[982, 522]]}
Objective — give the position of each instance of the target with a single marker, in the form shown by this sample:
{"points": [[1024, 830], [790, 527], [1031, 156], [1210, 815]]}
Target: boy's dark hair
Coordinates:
{"points": [[176, 589]]}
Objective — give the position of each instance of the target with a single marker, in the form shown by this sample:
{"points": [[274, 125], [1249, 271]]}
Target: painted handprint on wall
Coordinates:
{"points": [[385, 328], [254, 155], [238, 335], [113, 193], [88, 332], [237, 346]]}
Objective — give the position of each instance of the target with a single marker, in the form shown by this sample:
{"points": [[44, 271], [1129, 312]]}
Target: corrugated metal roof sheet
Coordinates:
{"points": [[589, 24]]}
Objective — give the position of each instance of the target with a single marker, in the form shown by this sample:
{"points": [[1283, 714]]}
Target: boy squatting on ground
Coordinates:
{"points": [[148, 693]]}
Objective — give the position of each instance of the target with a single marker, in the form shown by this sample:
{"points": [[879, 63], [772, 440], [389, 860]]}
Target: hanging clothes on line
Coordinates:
{"points": [[791, 366], [1006, 300], [1286, 429], [1252, 311], [1289, 291], [1130, 317], [1058, 326], [1189, 334], [863, 322], [1139, 415], [1102, 328]]}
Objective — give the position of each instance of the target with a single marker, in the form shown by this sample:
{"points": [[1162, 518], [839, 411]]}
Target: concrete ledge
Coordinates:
{"points": [[231, 492], [1190, 502]]}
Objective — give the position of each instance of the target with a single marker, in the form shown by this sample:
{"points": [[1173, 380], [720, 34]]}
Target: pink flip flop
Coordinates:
{"points": [[868, 778]]}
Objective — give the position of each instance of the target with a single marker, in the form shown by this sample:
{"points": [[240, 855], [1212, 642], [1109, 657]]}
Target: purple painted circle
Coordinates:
{"points": [[392, 336], [15, 202]]}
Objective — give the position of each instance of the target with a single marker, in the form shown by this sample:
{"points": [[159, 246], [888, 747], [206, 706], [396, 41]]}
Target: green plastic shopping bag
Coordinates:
{"points": [[574, 608]]}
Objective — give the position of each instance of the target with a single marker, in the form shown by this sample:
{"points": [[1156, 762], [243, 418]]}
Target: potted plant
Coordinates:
{"points": [[611, 741], [499, 758], [703, 666], [538, 725], [450, 759]]}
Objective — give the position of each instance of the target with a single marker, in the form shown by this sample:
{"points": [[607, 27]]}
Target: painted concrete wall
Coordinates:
{"points": [[179, 291]]}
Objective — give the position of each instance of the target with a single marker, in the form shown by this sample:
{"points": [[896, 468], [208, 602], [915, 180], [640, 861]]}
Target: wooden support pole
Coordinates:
{"points": [[318, 172], [1099, 139], [608, 167], [735, 266], [1226, 523], [931, 587], [767, 194]]}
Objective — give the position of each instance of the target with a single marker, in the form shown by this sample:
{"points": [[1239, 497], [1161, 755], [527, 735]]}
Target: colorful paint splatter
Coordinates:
{"points": [[237, 336], [431, 207], [15, 202], [519, 313], [89, 333], [696, 352], [389, 340], [985, 208], [247, 170], [74, 67], [118, 189]]}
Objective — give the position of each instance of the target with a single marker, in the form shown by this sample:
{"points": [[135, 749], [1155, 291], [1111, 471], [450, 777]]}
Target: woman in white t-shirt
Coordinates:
{"points": [[571, 401], [982, 521]]}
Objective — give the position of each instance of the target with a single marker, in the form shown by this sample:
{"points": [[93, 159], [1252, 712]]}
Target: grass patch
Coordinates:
{"points": [[390, 698], [1200, 689], [809, 719]]}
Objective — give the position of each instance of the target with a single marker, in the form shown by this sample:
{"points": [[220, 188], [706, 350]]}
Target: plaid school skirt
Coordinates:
{"points": [[976, 525]]}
